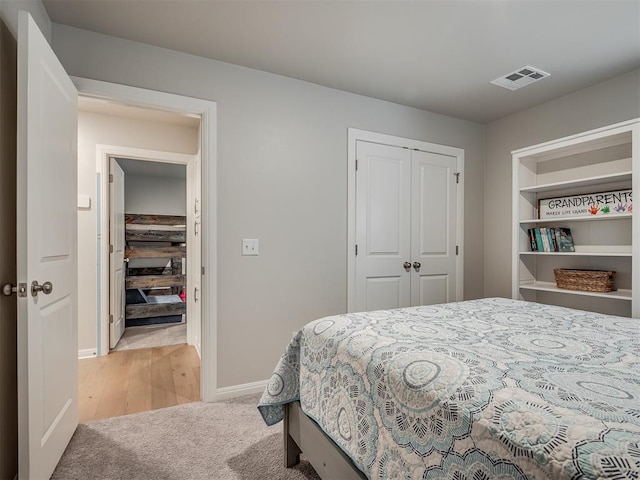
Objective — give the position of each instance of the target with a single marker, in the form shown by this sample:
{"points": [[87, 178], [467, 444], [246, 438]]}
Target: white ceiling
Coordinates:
{"points": [[434, 55]]}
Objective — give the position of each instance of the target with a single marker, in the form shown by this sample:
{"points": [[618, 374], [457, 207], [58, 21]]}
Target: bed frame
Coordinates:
{"points": [[302, 434]]}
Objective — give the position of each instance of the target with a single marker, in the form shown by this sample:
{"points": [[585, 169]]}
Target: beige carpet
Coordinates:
{"points": [[213, 441], [152, 336]]}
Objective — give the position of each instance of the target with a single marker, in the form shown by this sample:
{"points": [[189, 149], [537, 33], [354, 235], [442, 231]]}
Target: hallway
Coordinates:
{"points": [[132, 381]]}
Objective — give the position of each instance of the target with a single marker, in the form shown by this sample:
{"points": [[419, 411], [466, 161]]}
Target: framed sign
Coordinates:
{"points": [[586, 205]]}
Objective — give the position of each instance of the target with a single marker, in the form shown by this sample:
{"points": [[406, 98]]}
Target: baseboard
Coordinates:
{"points": [[225, 393], [87, 353]]}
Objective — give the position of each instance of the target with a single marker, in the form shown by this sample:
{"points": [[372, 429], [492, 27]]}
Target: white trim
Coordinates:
{"points": [[87, 353], [354, 135], [103, 154], [635, 221], [207, 110], [623, 127], [225, 393]]}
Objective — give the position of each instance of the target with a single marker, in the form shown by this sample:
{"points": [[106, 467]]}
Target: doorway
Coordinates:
{"points": [[148, 263], [159, 192], [207, 112]]}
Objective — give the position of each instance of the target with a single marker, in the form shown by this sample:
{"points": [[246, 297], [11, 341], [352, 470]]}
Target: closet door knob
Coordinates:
{"points": [[416, 265], [407, 265]]}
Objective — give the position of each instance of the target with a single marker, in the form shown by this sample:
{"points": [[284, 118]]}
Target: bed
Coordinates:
{"points": [[482, 389]]}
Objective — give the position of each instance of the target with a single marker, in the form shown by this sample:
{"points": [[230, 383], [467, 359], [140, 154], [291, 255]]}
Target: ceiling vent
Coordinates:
{"points": [[520, 78]]}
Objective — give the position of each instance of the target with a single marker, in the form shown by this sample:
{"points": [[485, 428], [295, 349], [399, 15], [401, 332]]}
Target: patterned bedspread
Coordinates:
{"points": [[482, 389]]}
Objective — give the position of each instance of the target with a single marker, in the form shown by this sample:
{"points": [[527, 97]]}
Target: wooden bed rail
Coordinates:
{"points": [[303, 435]]}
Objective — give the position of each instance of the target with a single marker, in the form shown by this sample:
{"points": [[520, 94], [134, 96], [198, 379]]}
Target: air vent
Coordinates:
{"points": [[520, 78]]}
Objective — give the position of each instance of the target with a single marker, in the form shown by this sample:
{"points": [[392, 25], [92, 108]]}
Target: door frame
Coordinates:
{"points": [[353, 136], [207, 110], [103, 155]]}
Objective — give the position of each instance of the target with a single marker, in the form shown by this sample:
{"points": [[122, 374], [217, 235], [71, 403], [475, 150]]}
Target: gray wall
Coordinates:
{"points": [[282, 178], [609, 102], [8, 324], [147, 194]]}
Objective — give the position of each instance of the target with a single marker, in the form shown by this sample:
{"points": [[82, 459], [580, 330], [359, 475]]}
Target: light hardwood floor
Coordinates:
{"points": [[131, 381]]}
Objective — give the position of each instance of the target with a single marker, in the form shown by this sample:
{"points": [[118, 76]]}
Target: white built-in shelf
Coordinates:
{"points": [[582, 182], [619, 216], [581, 254], [601, 160], [551, 287]]}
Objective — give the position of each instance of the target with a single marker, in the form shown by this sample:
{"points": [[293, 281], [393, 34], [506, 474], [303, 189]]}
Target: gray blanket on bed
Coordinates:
{"points": [[482, 389]]}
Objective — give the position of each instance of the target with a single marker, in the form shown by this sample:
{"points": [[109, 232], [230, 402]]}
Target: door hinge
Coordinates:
{"points": [[202, 269], [456, 249], [111, 178], [356, 165], [110, 318], [457, 175], [110, 248], [356, 250]]}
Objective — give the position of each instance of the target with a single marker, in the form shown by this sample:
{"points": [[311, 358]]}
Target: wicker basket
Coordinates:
{"points": [[585, 280]]}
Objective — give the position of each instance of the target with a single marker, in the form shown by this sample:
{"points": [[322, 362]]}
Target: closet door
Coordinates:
{"points": [[406, 222], [433, 228], [383, 216]]}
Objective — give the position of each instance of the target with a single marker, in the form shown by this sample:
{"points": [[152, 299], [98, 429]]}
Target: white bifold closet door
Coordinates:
{"points": [[405, 227]]}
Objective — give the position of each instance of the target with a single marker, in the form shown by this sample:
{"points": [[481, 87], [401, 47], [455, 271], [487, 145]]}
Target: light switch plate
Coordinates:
{"points": [[250, 246], [84, 201]]}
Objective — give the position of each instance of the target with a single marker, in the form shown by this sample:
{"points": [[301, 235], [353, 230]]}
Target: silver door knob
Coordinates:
{"points": [[46, 288], [406, 265], [416, 265]]}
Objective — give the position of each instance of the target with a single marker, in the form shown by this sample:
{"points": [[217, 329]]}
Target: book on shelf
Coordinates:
{"points": [[552, 239], [564, 239], [538, 239], [532, 239], [546, 239]]}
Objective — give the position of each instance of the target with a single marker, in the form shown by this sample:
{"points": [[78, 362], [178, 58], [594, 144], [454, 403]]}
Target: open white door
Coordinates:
{"points": [[46, 255], [194, 253], [116, 257]]}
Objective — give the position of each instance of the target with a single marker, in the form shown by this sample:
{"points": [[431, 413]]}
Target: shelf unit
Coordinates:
{"points": [[601, 160], [161, 239]]}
